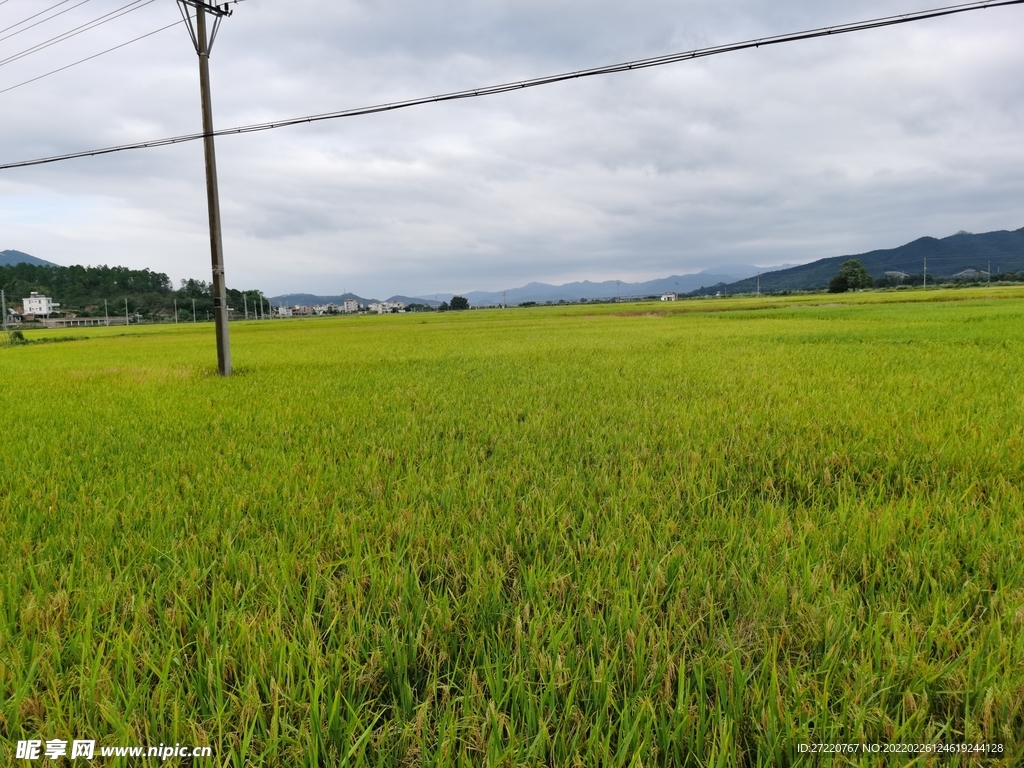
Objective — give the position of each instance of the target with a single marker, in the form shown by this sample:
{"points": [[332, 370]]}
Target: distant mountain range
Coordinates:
{"points": [[309, 300], [542, 292], [609, 289], [1000, 251], [9, 258]]}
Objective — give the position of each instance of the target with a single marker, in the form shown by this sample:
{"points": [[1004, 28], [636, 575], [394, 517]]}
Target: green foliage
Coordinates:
{"points": [[459, 303], [852, 277], [568, 536], [14, 339], [82, 290]]}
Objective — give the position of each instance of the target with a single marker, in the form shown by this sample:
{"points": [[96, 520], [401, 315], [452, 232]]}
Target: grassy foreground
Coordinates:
{"points": [[602, 537]]}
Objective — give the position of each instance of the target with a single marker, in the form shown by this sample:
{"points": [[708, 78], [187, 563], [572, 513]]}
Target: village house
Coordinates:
{"points": [[669, 296], [350, 306], [40, 306], [386, 307]]}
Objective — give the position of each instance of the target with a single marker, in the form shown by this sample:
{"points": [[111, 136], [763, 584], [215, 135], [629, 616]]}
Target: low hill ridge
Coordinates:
{"points": [[10, 258], [1003, 250]]}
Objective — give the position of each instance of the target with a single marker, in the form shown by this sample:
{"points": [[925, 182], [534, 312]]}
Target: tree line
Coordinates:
{"points": [[853, 276], [151, 295]]}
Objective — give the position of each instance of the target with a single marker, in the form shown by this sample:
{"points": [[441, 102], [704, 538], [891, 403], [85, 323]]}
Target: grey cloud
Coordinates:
{"points": [[768, 156]]}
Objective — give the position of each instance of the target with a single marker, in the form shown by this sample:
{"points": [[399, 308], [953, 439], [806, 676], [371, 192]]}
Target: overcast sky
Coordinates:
{"points": [[784, 154]]}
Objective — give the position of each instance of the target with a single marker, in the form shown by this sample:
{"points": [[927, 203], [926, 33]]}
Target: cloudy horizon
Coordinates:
{"points": [[779, 155]]}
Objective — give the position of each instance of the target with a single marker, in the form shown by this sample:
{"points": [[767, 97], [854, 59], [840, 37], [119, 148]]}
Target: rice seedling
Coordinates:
{"points": [[621, 535]]}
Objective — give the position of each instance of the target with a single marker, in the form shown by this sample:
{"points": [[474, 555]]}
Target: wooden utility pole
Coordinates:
{"points": [[203, 40]]}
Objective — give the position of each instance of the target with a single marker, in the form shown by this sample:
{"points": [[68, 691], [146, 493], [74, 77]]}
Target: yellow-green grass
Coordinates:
{"points": [[699, 533]]}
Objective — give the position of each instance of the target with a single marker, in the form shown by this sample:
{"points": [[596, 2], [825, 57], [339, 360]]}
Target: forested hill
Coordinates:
{"points": [[946, 256], [82, 291]]}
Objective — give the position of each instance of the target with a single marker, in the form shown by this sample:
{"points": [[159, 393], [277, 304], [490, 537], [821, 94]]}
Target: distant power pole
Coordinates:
{"points": [[203, 44], [3, 308], [106, 312], [175, 311], [245, 302], [925, 282], [193, 310], [127, 322], [758, 283]]}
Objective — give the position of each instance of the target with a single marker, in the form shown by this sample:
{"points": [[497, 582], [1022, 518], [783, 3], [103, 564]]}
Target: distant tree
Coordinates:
{"points": [[838, 284], [852, 276], [459, 302], [444, 307]]}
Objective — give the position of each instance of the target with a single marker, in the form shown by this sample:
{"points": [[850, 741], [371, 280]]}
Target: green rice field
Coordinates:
{"points": [[701, 533]]}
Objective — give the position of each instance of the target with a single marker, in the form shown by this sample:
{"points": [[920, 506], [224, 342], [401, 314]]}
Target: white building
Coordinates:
{"points": [[39, 305], [669, 296], [283, 311], [386, 307], [350, 306]]}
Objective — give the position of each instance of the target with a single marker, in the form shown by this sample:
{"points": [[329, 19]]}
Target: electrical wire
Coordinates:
{"points": [[655, 61], [34, 15], [90, 58], [74, 32], [41, 21], [96, 55]]}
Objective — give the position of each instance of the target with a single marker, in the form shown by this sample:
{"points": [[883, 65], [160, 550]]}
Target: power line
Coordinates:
{"points": [[90, 58], [97, 22], [655, 61], [34, 15], [41, 21]]}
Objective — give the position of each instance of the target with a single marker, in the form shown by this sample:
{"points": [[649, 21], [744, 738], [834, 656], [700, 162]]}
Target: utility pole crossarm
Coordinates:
{"points": [[217, 11]]}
